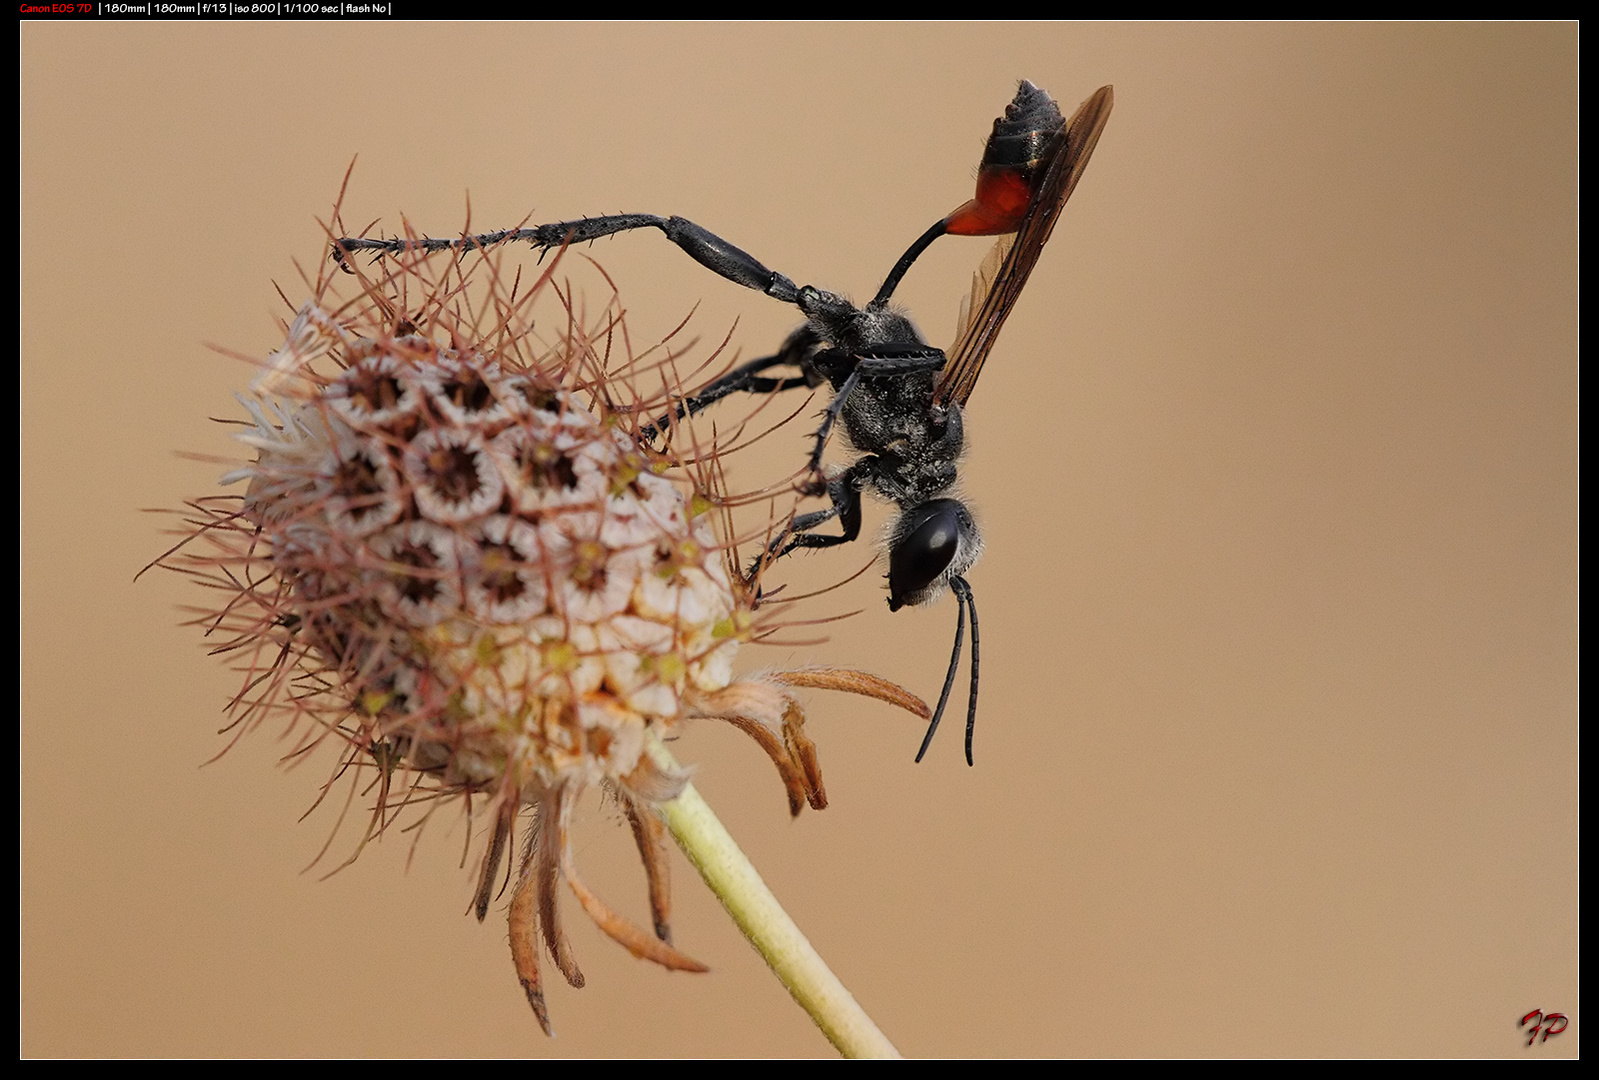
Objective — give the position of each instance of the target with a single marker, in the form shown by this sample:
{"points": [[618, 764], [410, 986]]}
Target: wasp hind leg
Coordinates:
{"points": [[702, 245]]}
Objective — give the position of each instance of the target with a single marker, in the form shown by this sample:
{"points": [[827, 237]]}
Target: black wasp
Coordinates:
{"points": [[899, 398]]}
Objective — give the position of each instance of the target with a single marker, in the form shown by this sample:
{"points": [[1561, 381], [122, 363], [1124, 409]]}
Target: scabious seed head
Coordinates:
{"points": [[488, 567], [454, 554]]}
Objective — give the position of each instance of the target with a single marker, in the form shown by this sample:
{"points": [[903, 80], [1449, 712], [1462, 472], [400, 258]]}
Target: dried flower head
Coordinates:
{"points": [[454, 554]]}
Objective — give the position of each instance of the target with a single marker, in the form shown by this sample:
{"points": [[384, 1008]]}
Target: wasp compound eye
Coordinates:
{"points": [[928, 541]]}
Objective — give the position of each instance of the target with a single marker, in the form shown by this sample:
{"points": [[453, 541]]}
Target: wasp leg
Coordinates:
{"points": [[746, 378], [845, 492], [906, 361], [702, 245]]}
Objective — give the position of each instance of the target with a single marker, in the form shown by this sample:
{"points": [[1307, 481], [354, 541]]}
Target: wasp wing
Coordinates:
{"points": [[1000, 277], [983, 279]]}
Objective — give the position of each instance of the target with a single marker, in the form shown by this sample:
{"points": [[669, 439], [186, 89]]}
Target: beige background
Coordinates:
{"points": [[1276, 461]]}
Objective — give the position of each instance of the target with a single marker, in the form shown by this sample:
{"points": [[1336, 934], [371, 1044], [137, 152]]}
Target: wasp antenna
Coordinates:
{"points": [[963, 590], [962, 594]]}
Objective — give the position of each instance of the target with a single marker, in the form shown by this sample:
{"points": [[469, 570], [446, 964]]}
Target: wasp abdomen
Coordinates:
{"points": [[1014, 162], [1021, 136]]}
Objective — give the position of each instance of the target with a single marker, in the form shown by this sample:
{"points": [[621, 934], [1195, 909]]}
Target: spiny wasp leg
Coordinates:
{"points": [[747, 378], [844, 491], [702, 245]]}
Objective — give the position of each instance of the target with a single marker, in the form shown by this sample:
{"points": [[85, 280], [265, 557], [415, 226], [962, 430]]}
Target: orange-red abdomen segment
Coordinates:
{"points": [[1003, 194]]}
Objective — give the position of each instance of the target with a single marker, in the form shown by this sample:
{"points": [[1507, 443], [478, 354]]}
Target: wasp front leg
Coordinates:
{"points": [[844, 491]]}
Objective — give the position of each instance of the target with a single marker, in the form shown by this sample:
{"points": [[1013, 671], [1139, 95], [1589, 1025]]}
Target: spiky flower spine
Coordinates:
{"points": [[456, 557]]}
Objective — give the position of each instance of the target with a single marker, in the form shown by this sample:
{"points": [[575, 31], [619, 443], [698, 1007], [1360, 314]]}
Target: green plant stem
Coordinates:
{"points": [[764, 922]]}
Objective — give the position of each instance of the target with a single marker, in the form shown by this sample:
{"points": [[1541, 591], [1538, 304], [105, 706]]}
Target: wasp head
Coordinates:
{"points": [[930, 544]]}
